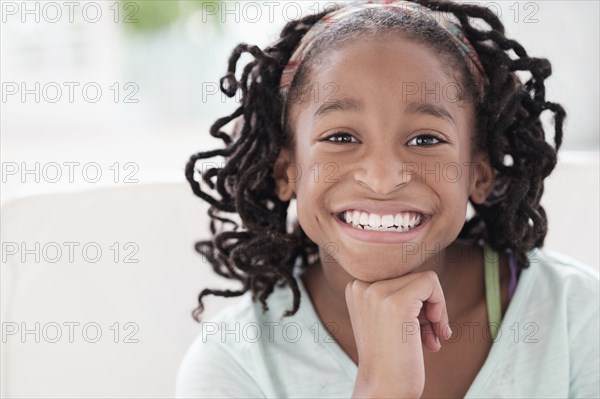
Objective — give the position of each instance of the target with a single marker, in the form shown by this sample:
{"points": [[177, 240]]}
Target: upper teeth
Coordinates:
{"points": [[402, 220]]}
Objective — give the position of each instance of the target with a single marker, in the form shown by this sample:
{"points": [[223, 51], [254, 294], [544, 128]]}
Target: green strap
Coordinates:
{"points": [[492, 289]]}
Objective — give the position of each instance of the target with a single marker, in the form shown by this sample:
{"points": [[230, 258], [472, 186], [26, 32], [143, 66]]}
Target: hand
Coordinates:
{"points": [[391, 320]]}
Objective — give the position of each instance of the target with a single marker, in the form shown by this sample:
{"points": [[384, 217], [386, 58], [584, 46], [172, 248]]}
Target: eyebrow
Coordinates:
{"points": [[340, 104], [430, 109], [353, 104]]}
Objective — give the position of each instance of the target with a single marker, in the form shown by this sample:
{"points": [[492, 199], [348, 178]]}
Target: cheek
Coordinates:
{"points": [[306, 206], [453, 192], [312, 211], [455, 180], [456, 213]]}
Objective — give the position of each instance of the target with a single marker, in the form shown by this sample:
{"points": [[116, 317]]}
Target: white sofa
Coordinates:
{"points": [[157, 294]]}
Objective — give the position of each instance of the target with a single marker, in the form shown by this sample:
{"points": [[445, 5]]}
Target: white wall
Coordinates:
{"points": [[174, 70]]}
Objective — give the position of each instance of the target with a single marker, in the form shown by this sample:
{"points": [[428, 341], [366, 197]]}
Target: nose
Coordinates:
{"points": [[383, 173]]}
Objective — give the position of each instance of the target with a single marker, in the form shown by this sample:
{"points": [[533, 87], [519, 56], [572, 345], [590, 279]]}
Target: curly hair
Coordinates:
{"points": [[264, 253]]}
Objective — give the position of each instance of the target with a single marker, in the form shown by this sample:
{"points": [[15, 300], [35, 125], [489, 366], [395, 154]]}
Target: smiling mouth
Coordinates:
{"points": [[399, 223]]}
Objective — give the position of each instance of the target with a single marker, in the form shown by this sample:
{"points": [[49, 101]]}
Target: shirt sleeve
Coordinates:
{"points": [[209, 371], [585, 360]]}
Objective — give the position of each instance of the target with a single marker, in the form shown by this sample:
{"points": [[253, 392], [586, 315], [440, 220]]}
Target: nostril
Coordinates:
{"points": [[383, 183]]}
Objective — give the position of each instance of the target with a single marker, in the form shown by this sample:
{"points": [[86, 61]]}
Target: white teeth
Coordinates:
{"points": [[368, 221], [364, 218], [374, 220], [387, 221], [398, 219]]}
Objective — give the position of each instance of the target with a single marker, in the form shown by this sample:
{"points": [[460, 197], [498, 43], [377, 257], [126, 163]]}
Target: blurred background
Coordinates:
{"points": [[102, 104]]}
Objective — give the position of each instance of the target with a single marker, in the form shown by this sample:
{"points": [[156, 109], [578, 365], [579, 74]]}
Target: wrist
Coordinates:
{"points": [[372, 385]]}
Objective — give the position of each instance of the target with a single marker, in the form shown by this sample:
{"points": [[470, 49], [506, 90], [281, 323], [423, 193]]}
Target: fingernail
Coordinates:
{"points": [[449, 332], [437, 339]]}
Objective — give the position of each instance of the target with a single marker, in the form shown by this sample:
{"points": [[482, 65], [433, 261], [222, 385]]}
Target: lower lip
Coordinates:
{"points": [[384, 237]]}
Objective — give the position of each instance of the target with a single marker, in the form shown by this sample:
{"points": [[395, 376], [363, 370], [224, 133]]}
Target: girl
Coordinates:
{"points": [[382, 121]]}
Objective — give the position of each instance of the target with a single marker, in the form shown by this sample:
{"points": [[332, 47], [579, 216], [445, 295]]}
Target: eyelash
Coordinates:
{"points": [[439, 139], [344, 134], [338, 134]]}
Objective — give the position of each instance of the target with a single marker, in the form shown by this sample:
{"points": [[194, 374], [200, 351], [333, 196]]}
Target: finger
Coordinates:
{"points": [[355, 285], [444, 330], [433, 297], [435, 305], [392, 285], [442, 327], [429, 336]]}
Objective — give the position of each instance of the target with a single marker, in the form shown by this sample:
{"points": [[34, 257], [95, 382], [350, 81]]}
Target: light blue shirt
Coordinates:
{"points": [[547, 345]]}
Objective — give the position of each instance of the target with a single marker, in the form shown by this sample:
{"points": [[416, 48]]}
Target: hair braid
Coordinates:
{"points": [[263, 255], [509, 118]]}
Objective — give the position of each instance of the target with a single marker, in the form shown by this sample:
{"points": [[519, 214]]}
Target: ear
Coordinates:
{"points": [[482, 178], [285, 181]]}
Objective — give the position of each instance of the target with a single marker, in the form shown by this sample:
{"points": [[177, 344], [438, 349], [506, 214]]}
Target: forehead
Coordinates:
{"points": [[387, 73]]}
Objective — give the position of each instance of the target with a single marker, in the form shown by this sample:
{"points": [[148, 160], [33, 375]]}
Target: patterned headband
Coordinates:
{"points": [[446, 20]]}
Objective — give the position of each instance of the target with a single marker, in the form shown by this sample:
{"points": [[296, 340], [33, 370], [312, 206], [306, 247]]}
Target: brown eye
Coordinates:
{"points": [[340, 137], [425, 140]]}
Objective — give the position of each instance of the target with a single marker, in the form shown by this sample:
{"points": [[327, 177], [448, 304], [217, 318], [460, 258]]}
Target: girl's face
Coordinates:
{"points": [[380, 130]]}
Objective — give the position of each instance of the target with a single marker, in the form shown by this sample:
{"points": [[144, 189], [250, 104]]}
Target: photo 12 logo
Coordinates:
{"points": [[268, 331], [69, 92], [68, 171], [69, 252], [53, 12], [69, 331]]}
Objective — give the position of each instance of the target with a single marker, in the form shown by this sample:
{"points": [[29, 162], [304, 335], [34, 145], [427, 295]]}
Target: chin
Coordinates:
{"points": [[371, 269]]}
